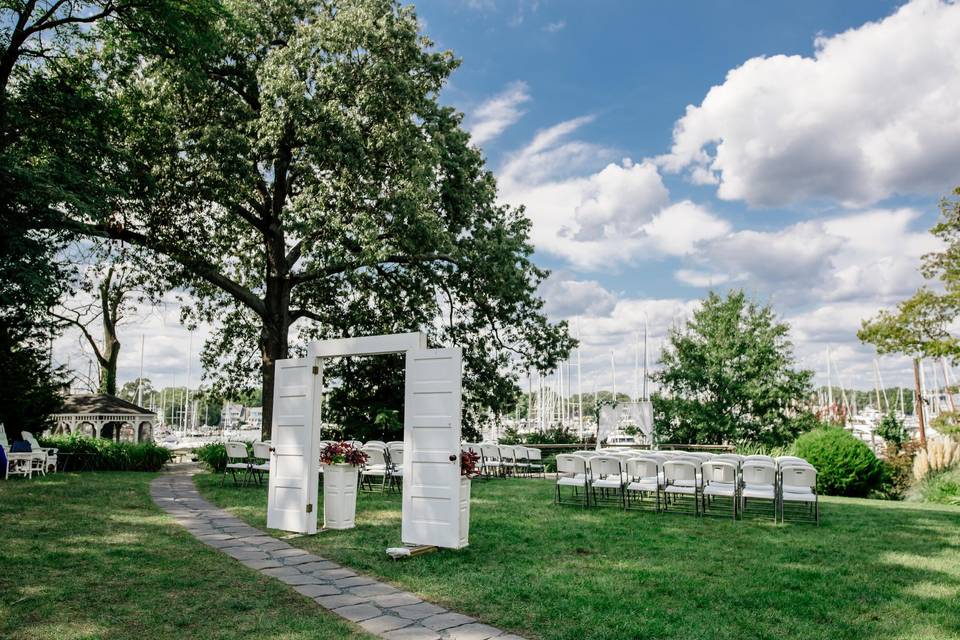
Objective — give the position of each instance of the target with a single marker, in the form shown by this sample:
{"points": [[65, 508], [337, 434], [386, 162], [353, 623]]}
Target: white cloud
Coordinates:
{"points": [[871, 114], [553, 27], [594, 212], [872, 255], [494, 116]]}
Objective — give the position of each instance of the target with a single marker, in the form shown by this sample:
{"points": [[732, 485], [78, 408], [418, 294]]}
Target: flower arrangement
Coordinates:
{"points": [[342, 453], [468, 464]]}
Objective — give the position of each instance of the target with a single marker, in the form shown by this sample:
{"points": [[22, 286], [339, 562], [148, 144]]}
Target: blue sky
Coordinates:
{"points": [[827, 220], [793, 149]]}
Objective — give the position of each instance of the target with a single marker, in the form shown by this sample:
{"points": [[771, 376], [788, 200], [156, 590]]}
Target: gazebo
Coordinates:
{"points": [[100, 415]]}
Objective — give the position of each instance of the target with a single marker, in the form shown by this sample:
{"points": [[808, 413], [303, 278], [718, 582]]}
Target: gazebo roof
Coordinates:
{"points": [[100, 404]]}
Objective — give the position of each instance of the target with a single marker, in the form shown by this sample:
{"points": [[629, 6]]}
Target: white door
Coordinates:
{"points": [[292, 499], [431, 445]]}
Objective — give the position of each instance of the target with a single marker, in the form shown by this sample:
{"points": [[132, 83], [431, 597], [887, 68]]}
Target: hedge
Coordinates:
{"points": [[107, 455]]}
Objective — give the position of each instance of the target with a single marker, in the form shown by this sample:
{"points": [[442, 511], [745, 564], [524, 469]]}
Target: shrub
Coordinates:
{"points": [[213, 455], [107, 455], [898, 470], [845, 466], [942, 487], [891, 430], [939, 455]]}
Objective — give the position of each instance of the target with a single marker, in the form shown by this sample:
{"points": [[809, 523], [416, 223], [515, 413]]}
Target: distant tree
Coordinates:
{"points": [[729, 375], [111, 289]]}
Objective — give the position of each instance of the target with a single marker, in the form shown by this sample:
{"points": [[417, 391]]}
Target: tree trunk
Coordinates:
{"points": [[918, 402], [108, 366], [274, 335]]}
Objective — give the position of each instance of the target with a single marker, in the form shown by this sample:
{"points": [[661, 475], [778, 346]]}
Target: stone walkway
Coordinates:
{"points": [[380, 609]]}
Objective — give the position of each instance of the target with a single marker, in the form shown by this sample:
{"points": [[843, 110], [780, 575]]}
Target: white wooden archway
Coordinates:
{"points": [[431, 461]]}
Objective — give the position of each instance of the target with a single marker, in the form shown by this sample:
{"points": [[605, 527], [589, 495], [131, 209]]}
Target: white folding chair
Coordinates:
{"points": [[720, 479], [375, 467], [395, 449], [45, 458], [606, 474], [573, 472], [508, 461], [798, 485], [758, 480], [643, 478], [491, 459], [379, 443], [535, 462], [260, 465], [681, 477], [520, 461], [237, 460]]}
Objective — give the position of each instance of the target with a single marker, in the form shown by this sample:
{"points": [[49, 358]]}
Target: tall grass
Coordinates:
{"points": [[941, 454]]}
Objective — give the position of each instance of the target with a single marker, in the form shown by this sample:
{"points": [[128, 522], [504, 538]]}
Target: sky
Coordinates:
{"points": [[663, 149]]}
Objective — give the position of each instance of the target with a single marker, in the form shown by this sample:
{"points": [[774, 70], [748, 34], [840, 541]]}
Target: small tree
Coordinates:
{"points": [[728, 375]]}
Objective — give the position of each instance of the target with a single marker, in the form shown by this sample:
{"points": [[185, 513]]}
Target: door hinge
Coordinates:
{"points": [[310, 508], [316, 370]]}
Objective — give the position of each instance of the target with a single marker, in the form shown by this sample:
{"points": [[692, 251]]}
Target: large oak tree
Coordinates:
{"points": [[301, 179]]}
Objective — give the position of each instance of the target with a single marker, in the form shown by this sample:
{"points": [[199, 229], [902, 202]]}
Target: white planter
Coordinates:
{"points": [[464, 511], [339, 496]]}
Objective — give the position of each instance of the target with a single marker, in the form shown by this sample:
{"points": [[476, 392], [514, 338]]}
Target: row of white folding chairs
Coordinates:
{"points": [[628, 478], [505, 460], [251, 464]]}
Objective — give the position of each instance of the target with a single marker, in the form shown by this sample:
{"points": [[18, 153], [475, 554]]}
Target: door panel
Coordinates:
{"points": [[431, 488], [293, 480]]}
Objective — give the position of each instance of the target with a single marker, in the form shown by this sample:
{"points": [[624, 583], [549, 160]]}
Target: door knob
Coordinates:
{"points": [[453, 458]]}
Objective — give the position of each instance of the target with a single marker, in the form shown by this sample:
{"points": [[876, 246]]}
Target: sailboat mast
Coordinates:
{"points": [[646, 360], [140, 379], [579, 384], [613, 374]]}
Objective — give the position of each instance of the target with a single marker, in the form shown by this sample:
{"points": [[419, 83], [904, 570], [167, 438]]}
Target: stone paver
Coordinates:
{"points": [[378, 608]]}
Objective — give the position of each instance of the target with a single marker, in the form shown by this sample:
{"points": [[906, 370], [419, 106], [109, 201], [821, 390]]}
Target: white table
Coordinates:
{"points": [[19, 464]]}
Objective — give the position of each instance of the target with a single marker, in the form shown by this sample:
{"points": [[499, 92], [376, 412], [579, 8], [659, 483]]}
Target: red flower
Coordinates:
{"points": [[468, 464], [342, 453]]}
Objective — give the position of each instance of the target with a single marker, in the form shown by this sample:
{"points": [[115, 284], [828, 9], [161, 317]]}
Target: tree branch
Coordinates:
{"points": [[333, 270], [197, 265]]}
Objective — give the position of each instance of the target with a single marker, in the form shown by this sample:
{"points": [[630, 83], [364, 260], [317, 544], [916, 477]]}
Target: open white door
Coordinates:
{"points": [[431, 442], [291, 504]]}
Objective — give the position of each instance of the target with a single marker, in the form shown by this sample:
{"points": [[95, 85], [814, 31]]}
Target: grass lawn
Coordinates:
{"points": [[873, 569], [90, 556]]}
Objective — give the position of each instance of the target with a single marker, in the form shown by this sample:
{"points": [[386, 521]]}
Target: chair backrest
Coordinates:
{"points": [[520, 453], [491, 452], [261, 450], [659, 457], [376, 443], [759, 458], [689, 457], [356, 443], [534, 454], [758, 472], [236, 450], [3, 438], [570, 464], [396, 453], [680, 470], [788, 460], [605, 466], [645, 467], [585, 454], [623, 456], [800, 476], [376, 456], [729, 457], [26, 435], [719, 471], [507, 454]]}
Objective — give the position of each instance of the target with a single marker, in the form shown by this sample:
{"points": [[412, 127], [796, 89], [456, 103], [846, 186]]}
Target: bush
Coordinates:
{"points": [[942, 487], [213, 455], [845, 466], [898, 470], [939, 455], [107, 455]]}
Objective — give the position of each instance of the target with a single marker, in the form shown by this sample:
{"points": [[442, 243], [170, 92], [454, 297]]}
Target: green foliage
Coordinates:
{"points": [[728, 375], [947, 422], [107, 455], [891, 430], [942, 488], [921, 326], [213, 455], [556, 435], [845, 466], [897, 478]]}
